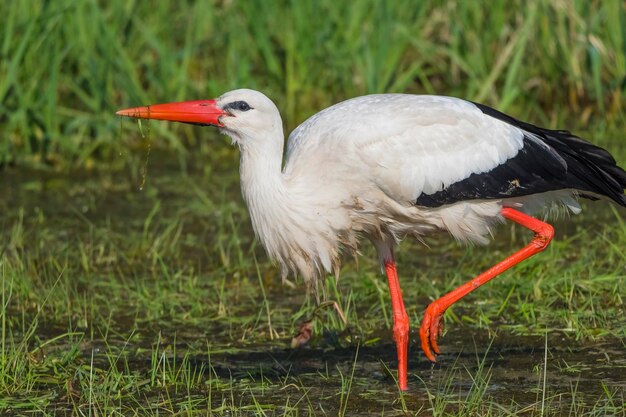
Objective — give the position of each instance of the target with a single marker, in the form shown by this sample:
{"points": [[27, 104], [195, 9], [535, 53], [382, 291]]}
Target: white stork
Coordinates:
{"points": [[390, 165]]}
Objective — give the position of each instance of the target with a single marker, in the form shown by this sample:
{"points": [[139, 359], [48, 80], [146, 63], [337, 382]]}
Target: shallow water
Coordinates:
{"points": [[514, 369], [504, 368]]}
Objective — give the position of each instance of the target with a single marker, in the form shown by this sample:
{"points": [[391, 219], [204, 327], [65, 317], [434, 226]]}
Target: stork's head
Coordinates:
{"points": [[244, 115]]}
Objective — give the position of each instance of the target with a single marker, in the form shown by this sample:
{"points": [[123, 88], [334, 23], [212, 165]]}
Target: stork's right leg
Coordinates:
{"points": [[400, 322]]}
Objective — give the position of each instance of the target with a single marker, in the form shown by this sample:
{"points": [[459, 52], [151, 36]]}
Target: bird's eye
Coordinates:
{"points": [[240, 105]]}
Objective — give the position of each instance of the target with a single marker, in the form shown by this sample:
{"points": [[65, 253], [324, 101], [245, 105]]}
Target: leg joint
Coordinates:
{"points": [[401, 327], [544, 232], [543, 236]]}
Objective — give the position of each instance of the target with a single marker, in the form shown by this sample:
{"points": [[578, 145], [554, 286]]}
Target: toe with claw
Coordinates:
{"points": [[432, 327]]}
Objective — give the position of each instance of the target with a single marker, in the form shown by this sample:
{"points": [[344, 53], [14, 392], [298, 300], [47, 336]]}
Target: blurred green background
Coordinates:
{"points": [[67, 65]]}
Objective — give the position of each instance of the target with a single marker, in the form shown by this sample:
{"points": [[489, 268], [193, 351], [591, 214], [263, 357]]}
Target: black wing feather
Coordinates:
{"points": [[549, 160]]}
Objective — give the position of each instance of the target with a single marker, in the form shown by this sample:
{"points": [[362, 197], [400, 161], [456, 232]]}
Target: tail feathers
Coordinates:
{"points": [[591, 164]]}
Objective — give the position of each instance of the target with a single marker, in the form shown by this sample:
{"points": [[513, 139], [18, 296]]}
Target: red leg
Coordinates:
{"points": [[432, 325], [400, 322]]}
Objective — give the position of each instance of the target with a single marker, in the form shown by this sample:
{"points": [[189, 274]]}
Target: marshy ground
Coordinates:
{"points": [[121, 301], [130, 293]]}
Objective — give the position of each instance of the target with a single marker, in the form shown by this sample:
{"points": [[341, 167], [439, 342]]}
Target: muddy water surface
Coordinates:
{"points": [[477, 368]]}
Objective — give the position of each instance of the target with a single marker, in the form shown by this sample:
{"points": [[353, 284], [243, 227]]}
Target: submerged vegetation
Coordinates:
{"points": [[120, 302], [126, 293]]}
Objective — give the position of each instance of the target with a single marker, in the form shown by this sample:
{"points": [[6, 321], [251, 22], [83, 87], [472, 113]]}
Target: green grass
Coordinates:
{"points": [[67, 65], [159, 301], [131, 283]]}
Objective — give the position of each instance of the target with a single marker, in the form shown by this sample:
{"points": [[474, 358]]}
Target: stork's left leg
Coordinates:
{"points": [[431, 324], [400, 322]]}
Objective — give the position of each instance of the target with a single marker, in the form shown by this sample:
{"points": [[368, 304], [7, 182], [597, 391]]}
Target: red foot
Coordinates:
{"points": [[432, 327]]}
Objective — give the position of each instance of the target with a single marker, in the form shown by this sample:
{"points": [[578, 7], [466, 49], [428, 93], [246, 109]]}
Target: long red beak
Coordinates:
{"points": [[202, 112]]}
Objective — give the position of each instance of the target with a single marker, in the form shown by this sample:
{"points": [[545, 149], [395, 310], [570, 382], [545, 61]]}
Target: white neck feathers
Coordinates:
{"points": [[283, 214]]}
